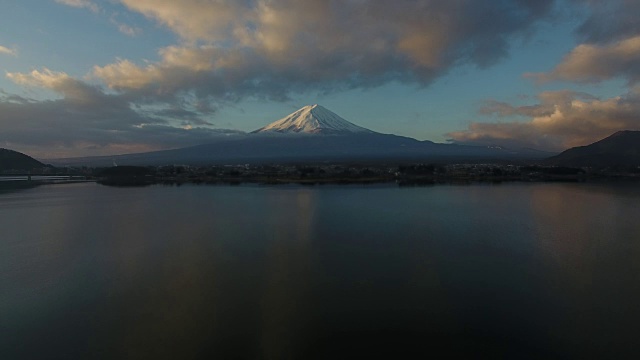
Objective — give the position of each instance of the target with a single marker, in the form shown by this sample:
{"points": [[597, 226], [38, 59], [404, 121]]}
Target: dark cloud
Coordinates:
{"points": [[88, 121], [273, 49], [610, 20]]}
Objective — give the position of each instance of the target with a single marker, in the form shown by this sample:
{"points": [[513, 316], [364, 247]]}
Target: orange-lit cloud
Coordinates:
{"points": [[561, 119], [46, 79], [270, 49], [8, 51], [594, 63]]}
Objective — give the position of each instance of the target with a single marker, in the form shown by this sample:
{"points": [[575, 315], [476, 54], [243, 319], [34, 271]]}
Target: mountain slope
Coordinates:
{"points": [[279, 148], [619, 149], [13, 160], [311, 134], [313, 119]]}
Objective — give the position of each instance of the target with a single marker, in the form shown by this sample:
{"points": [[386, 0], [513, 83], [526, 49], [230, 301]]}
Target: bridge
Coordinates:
{"points": [[43, 178]]}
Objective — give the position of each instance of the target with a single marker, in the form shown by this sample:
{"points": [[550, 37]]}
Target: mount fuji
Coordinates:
{"points": [[313, 119], [310, 134]]}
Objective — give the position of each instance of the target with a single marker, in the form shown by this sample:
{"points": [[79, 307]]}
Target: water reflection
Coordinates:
{"points": [[544, 270], [14, 186], [285, 305], [587, 241]]}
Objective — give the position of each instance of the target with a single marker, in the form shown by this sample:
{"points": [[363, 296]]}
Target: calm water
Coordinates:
{"points": [[518, 270]]}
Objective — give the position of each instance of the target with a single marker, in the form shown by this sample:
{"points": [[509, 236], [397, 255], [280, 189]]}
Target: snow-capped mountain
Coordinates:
{"points": [[352, 143], [313, 119]]}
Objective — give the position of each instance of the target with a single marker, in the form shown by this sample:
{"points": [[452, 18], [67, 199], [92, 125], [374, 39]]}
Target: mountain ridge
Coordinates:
{"points": [[621, 148]]}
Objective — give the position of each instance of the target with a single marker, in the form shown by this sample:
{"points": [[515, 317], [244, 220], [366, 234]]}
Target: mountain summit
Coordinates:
{"points": [[313, 119]]}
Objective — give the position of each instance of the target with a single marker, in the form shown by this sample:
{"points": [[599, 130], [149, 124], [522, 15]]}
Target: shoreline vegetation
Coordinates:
{"points": [[318, 174], [416, 174]]}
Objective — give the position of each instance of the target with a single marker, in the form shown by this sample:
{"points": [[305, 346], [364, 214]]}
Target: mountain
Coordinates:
{"points": [[311, 134], [13, 160], [313, 119], [619, 149]]}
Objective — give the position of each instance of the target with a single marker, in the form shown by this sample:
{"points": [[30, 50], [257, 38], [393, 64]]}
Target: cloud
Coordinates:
{"points": [[595, 63], [548, 104], [194, 19], [560, 120], [88, 121], [46, 79], [609, 21], [8, 51], [231, 50], [80, 4], [609, 48], [127, 30]]}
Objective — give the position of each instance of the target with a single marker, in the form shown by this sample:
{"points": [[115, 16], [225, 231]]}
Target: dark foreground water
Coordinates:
{"points": [[515, 271]]}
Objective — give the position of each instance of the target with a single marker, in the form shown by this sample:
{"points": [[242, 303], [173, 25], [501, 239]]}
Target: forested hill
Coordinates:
{"points": [[13, 160]]}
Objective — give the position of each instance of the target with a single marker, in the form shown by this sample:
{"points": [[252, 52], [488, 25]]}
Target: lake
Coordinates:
{"points": [[545, 270]]}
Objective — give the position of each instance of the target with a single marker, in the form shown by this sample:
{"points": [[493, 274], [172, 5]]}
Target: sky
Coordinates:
{"points": [[89, 77]]}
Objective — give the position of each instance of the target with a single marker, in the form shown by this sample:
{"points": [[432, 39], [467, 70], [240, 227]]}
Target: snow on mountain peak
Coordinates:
{"points": [[313, 119]]}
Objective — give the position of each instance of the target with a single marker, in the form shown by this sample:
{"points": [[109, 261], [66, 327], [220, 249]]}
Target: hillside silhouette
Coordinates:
{"points": [[15, 161], [620, 149]]}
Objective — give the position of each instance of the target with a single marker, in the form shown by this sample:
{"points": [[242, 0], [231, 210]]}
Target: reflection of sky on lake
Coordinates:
{"points": [[290, 272], [284, 306], [587, 237]]}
